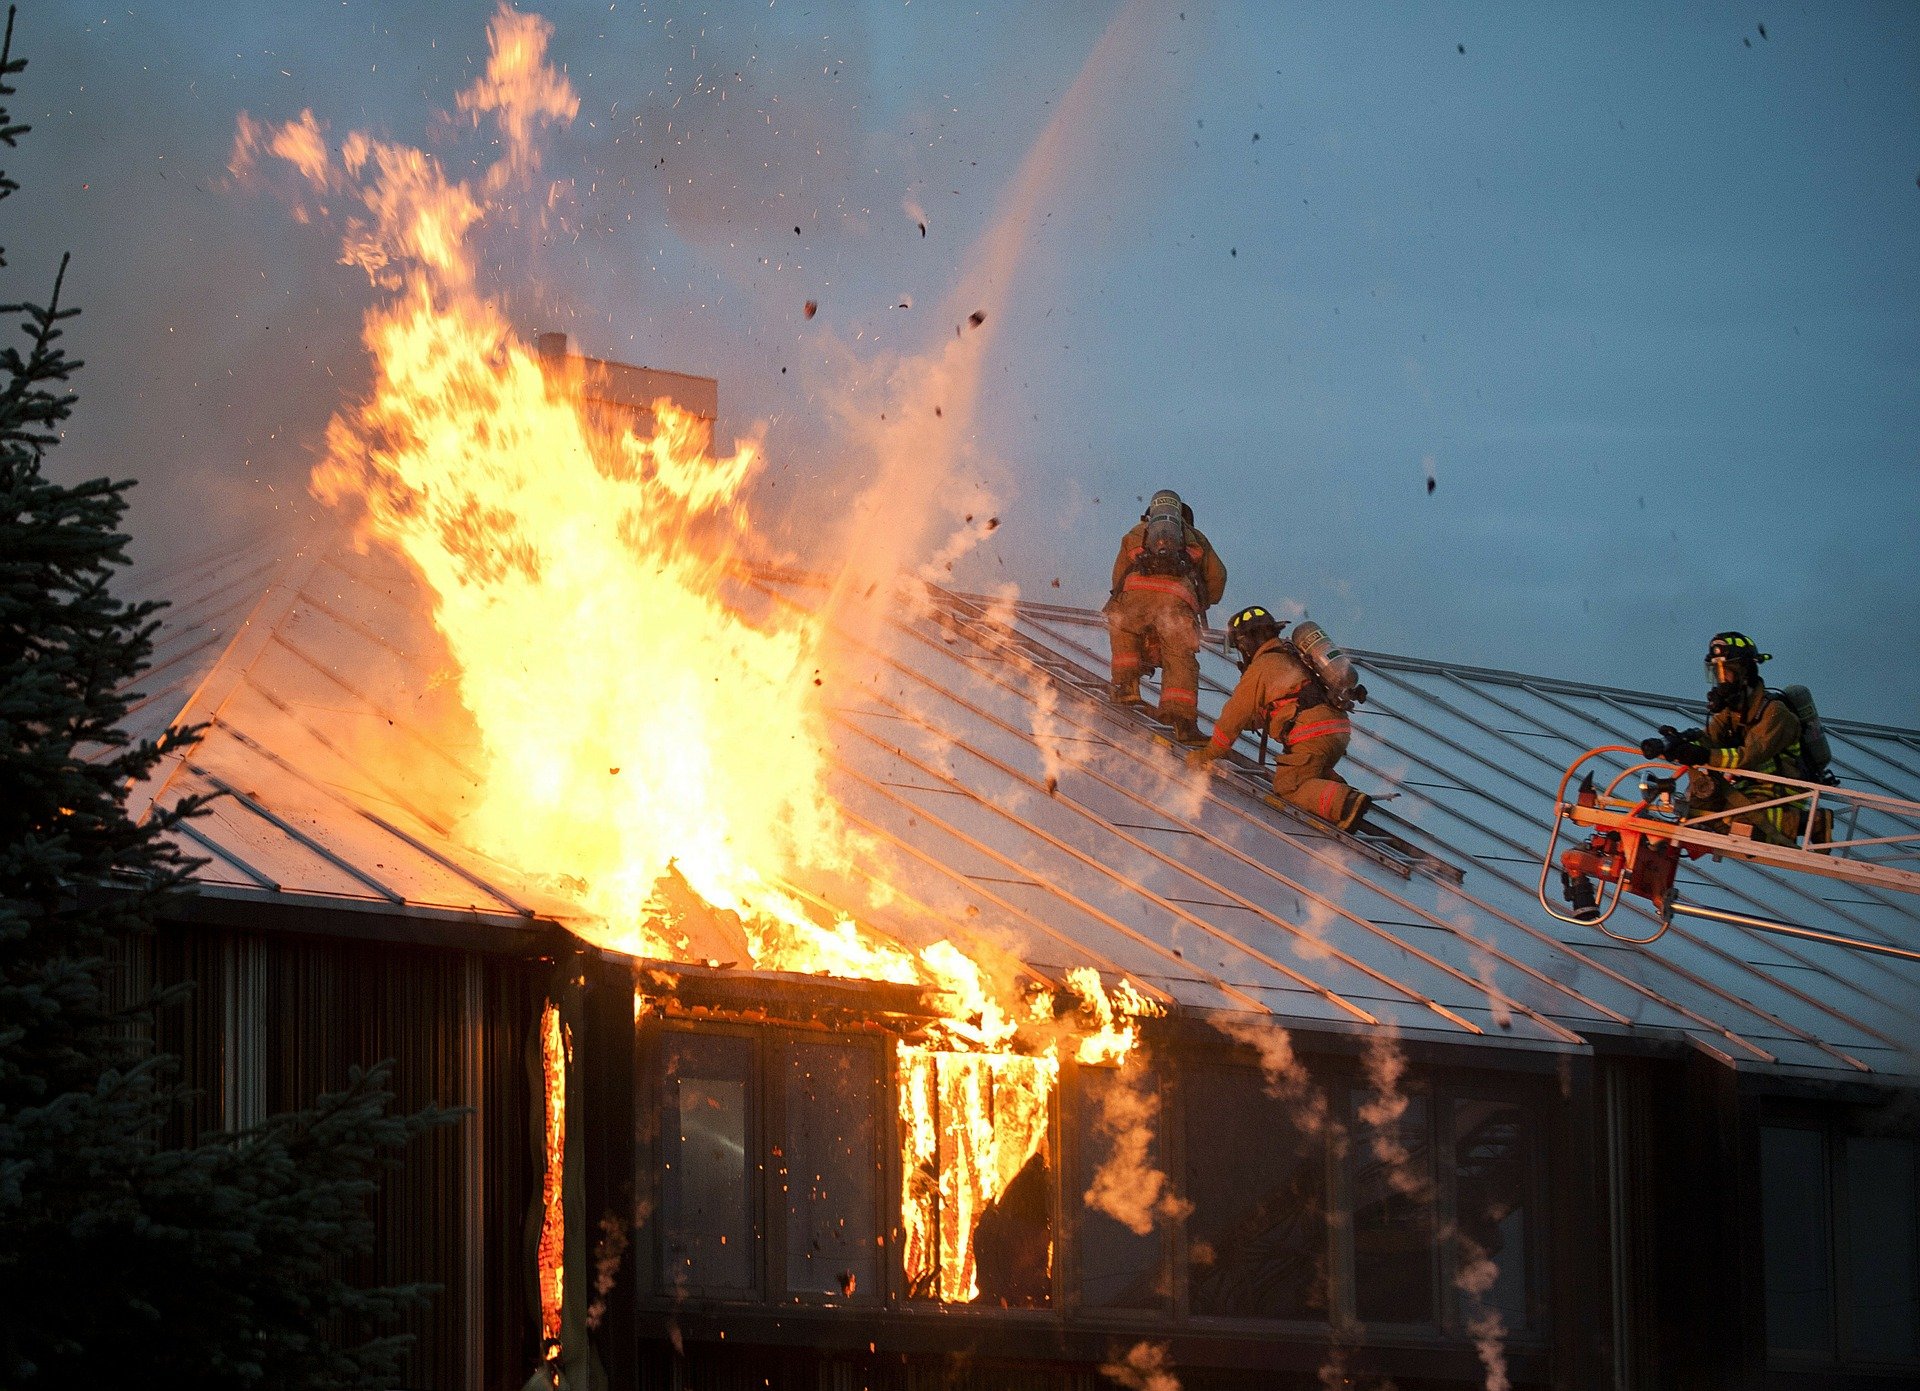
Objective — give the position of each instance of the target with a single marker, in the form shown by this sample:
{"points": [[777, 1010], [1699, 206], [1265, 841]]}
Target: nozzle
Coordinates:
{"points": [[1577, 889]]}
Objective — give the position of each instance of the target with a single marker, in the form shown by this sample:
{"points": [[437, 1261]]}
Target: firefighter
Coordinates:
{"points": [[1165, 578], [1748, 727], [1279, 690]]}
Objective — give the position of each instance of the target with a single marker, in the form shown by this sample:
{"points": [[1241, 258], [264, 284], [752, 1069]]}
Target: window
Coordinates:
{"points": [[1840, 1221], [828, 1172], [1492, 1183], [1119, 1268], [1258, 1232], [1393, 1201], [977, 1162], [707, 1140], [1882, 1231]]}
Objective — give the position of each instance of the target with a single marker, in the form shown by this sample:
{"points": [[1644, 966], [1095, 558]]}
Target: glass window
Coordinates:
{"points": [[1258, 1233], [1493, 1183], [829, 1171], [1393, 1250], [707, 1175], [1882, 1228], [1119, 1267], [1794, 1222]]}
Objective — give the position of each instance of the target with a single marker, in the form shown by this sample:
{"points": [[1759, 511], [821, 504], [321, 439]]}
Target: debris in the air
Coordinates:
{"points": [[1256, 135], [938, 411], [1763, 30], [977, 317], [1431, 485], [992, 522], [923, 229], [1462, 47], [813, 307], [1056, 582], [1233, 251], [796, 231]]}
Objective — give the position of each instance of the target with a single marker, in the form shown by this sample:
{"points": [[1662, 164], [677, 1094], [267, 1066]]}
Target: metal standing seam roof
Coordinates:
{"points": [[1006, 802]]}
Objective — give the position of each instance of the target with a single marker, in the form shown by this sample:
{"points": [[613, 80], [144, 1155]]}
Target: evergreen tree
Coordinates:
{"points": [[122, 1261]]}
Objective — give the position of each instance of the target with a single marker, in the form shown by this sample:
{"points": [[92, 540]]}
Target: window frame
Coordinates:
{"points": [[1834, 1129], [777, 1058]]}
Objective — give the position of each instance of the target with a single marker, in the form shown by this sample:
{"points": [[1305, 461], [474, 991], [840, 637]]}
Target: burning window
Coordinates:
{"points": [[976, 1164], [707, 1176], [1257, 1180], [828, 1170]]}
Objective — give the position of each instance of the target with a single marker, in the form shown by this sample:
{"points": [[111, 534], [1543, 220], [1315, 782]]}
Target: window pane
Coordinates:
{"points": [[1120, 1268], [830, 1172], [1493, 1179], [1258, 1187], [1882, 1227], [1793, 1217], [708, 1222], [1393, 1252]]}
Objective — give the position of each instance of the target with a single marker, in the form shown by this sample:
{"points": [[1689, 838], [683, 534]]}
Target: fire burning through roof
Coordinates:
{"points": [[649, 747]]}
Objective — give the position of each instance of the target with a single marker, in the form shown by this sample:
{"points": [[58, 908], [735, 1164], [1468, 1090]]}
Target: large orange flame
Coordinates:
{"points": [[647, 746]]}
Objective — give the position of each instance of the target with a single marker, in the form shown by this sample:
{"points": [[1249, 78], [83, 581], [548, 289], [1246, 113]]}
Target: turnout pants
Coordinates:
{"points": [[1774, 825], [1304, 774], [1137, 617]]}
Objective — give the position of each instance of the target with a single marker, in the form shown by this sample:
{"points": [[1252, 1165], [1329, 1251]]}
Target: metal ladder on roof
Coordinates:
{"points": [[1380, 838]]}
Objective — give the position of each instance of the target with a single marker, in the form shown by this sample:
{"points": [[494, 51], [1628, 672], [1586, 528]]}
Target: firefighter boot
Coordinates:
{"points": [[1185, 730], [1356, 811]]}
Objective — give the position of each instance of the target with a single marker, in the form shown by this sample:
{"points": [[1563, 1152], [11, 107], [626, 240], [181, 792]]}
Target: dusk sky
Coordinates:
{"points": [[1638, 292]]}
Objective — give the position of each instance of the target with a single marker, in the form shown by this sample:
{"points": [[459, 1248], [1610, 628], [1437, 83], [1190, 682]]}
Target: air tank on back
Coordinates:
{"points": [[1327, 661]]}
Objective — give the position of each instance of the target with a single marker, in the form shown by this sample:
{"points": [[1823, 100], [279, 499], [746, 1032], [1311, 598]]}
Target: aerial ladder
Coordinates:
{"points": [[1637, 838]]}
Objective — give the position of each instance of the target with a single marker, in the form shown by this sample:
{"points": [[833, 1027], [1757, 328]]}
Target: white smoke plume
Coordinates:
{"points": [[1286, 1076], [1144, 1367], [1126, 1185], [916, 415], [1475, 1275], [1386, 1065]]}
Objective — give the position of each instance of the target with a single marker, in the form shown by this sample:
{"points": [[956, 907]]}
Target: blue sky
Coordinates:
{"points": [[1640, 288]]}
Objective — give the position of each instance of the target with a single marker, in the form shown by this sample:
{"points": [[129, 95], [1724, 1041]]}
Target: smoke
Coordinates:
{"points": [[1474, 1276], [608, 1252], [1144, 1367], [1287, 1079], [1385, 1064], [1126, 1185], [917, 416]]}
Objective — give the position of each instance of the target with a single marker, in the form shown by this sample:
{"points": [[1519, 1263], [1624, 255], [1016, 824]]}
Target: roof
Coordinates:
{"points": [[1019, 807]]}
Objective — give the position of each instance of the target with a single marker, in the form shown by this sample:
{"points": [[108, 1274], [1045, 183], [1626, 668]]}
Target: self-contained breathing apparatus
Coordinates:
{"points": [[1331, 679]]}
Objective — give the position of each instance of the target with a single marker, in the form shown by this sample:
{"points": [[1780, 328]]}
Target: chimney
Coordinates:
{"points": [[551, 345]]}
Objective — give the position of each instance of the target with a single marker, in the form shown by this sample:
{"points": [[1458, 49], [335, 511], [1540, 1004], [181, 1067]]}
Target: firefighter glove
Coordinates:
{"points": [[1676, 745], [1204, 756]]}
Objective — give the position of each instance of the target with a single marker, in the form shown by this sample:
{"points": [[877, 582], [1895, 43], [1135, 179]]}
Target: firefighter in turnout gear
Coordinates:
{"points": [[1165, 578], [1748, 726], [1280, 692]]}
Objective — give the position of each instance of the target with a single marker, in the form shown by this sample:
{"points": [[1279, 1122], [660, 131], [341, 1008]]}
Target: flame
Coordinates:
{"points": [[647, 744], [556, 1047]]}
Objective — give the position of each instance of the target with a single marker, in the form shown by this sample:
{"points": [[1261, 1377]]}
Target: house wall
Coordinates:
{"points": [[275, 1017], [1295, 1233]]}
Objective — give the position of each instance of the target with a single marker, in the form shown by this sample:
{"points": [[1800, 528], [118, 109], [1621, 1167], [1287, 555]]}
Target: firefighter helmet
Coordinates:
{"points": [[1733, 660], [1166, 501], [1249, 630]]}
